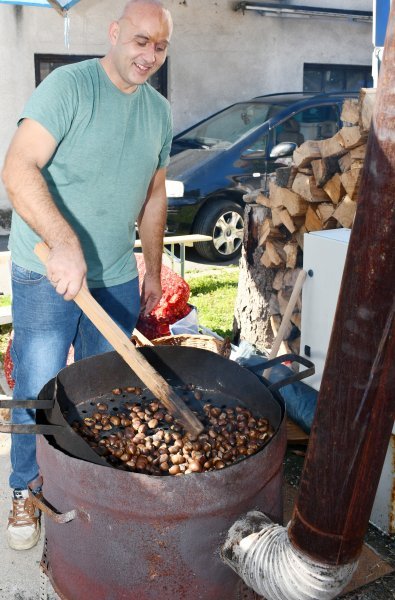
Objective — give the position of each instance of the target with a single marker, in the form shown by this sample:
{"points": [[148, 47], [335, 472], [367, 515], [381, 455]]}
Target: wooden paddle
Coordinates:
{"points": [[136, 361]]}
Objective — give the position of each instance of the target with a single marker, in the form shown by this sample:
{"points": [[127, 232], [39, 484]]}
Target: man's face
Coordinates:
{"points": [[139, 45]]}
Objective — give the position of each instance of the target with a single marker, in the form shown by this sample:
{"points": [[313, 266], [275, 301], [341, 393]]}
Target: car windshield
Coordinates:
{"points": [[227, 127]]}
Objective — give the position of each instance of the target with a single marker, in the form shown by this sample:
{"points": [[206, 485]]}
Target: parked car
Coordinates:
{"points": [[231, 153]]}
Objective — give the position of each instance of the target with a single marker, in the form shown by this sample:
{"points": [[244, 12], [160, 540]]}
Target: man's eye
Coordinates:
{"points": [[142, 44], [161, 48]]}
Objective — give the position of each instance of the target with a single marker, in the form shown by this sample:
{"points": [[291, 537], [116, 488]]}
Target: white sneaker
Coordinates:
{"points": [[23, 531]]}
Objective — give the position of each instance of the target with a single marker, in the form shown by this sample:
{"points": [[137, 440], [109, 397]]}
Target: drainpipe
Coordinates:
{"points": [[315, 556]]}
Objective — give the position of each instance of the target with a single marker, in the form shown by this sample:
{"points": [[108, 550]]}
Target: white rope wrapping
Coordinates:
{"points": [[270, 565]]}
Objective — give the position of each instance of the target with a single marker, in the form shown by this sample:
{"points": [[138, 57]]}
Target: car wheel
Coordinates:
{"points": [[224, 221]]}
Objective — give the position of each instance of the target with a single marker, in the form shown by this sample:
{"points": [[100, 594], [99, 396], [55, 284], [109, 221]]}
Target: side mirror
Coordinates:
{"points": [[283, 149]]}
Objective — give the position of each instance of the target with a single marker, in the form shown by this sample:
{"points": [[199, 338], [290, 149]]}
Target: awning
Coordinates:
{"points": [[61, 6]]}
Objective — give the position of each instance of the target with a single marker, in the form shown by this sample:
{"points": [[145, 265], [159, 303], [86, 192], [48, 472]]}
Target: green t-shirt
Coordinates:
{"points": [[109, 146]]}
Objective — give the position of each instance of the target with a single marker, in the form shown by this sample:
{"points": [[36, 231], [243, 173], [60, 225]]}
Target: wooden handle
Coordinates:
{"points": [[138, 363], [286, 317]]}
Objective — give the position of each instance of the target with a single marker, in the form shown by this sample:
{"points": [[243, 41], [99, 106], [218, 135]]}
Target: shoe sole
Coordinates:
{"points": [[23, 545]]}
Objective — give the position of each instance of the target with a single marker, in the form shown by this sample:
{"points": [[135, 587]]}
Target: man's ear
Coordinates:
{"points": [[113, 32]]}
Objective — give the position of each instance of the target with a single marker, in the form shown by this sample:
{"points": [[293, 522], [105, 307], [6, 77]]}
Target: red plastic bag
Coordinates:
{"points": [[172, 307]]}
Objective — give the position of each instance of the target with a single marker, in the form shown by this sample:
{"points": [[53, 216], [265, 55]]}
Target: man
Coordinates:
{"points": [[88, 160]]}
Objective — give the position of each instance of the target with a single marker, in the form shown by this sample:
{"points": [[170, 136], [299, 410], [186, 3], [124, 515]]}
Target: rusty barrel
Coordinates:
{"points": [[139, 537]]}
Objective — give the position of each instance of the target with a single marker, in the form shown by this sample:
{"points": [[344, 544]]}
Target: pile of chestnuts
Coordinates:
{"points": [[145, 438]]}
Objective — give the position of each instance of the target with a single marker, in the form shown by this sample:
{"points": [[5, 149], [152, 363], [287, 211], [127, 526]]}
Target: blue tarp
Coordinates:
{"points": [[66, 4]]}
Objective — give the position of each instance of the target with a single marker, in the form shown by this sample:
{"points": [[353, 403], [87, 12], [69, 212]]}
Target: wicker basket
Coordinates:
{"points": [[207, 342]]}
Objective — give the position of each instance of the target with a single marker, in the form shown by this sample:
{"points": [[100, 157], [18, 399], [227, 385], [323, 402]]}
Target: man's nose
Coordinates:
{"points": [[150, 53]]}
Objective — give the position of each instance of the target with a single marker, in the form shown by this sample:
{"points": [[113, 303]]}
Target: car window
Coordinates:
{"points": [[314, 123], [229, 126], [257, 149]]}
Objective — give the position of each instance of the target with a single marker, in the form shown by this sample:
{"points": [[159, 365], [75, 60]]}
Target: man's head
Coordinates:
{"points": [[139, 42]]}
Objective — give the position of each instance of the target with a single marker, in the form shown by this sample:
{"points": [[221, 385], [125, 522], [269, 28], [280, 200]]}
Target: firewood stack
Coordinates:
{"points": [[319, 191]]}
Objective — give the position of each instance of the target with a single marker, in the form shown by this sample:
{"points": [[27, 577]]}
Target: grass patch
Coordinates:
{"points": [[5, 300], [214, 295]]}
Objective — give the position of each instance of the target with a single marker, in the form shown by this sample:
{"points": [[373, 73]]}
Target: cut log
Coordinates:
{"points": [[299, 236], [287, 220], [325, 211], [345, 162], [267, 230], [251, 196], [312, 222], [276, 195], [331, 223], [291, 251], [282, 176], [345, 212], [324, 169], [332, 147], [276, 217], [350, 181], [263, 200], [351, 137], [265, 260], [274, 307], [350, 111], [358, 153], [278, 280], [367, 97], [295, 204], [273, 254], [334, 188], [290, 277], [306, 152], [306, 187]]}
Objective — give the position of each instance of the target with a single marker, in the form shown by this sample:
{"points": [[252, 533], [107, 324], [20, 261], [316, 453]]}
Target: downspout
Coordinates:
{"points": [[315, 556]]}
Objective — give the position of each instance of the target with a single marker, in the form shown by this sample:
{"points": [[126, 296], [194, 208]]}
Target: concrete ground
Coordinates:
{"points": [[19, 570]]}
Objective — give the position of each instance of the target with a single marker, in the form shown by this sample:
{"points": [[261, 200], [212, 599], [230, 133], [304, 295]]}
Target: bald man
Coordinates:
{"points": [[86, 163]]}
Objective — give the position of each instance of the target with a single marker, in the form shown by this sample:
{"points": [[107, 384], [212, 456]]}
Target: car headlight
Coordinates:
{"points": [[174, 189]]}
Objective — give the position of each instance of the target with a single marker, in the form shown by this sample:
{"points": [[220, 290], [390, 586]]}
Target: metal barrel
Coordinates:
{"points": [[140, 537]]}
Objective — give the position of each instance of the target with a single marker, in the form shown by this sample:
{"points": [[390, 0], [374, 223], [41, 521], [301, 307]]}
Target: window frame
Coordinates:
{"points": [[341, 68], [68, 59]]}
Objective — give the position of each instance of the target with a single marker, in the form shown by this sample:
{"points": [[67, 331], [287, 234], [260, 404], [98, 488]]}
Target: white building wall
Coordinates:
{"points": [[217, 56]]}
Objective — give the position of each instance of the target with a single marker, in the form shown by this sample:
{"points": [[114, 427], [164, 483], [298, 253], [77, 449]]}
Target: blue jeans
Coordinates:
{"points": [[45, 326]]}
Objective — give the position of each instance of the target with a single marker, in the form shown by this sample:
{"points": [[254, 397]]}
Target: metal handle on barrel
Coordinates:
{"points": [[47, 509]]}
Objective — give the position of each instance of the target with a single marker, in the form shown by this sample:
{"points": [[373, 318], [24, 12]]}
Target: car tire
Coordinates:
{"points": [[224, 221]]}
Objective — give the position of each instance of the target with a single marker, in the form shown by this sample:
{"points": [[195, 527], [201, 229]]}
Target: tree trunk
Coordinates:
{"points": [[252, 316]]}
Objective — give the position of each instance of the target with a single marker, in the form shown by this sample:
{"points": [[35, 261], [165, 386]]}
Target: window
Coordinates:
{"points": [[336, 78], [44, 64], [315, 123]]}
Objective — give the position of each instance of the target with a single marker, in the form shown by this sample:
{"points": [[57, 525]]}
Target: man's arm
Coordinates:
{"points": [[151, 224], [29, 151]]}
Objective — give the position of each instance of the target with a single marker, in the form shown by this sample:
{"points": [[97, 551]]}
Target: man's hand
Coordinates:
{"points": [[151, 293], [66, 269]]}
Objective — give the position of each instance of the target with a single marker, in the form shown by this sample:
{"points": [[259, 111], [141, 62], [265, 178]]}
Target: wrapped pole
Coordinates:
{"points": [[356, 403]]}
